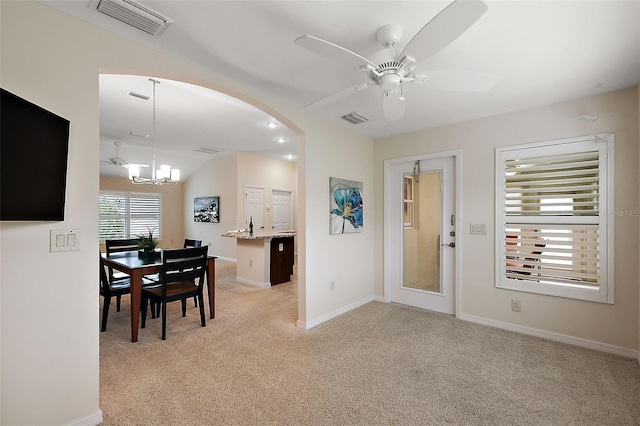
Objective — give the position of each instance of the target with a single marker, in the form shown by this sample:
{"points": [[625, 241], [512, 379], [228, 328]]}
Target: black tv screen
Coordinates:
{"points": [[34, 144]]}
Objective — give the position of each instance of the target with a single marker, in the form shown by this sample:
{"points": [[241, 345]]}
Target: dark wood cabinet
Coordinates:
{"points": [[281, 260]]}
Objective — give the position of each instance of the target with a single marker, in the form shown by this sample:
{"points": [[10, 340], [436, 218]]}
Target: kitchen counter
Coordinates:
{"points": [[245, 235], [265, 258]]}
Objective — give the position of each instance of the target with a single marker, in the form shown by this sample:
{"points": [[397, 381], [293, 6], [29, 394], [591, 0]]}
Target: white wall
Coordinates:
{"points": [[268, 173], [172, 214], [226, 177], [49, 323], [609, 325], [345, 259], [217, 177]]}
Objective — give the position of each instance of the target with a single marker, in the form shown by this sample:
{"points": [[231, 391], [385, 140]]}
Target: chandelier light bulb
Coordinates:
{"points": [[134, 171]]}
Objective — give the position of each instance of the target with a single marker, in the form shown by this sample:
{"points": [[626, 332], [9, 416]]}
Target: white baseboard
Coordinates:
{"points": [[324, 318], [92, 420], [378, 298], [253, 283], [228, 259], [556, 337]]}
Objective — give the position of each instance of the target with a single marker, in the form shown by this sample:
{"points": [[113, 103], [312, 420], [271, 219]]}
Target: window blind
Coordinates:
{"points": [[125, 215], [552, 237]]}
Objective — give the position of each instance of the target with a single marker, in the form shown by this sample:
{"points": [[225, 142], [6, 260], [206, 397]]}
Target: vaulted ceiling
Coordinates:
{"points": [[538, 53]]}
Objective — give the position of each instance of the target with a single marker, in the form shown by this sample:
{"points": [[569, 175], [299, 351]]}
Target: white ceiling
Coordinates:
{"points": [[188, 118], [543, 51]]}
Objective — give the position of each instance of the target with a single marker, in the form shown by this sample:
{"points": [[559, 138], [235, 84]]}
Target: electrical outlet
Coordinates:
{"points": [[516, 305], [332, 285]]}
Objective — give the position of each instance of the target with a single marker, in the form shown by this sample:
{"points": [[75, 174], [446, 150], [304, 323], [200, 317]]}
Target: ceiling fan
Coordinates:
{"points": [[390, 75], [117, 160]]}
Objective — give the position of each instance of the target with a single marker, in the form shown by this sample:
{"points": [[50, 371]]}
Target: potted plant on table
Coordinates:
{"points": [[147, 245]]}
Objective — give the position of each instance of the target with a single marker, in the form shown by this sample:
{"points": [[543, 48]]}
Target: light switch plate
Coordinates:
{"points": [[478, 229], [65, 240]]}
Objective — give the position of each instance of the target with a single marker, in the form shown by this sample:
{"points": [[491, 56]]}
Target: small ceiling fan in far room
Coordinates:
{"points": [[390, 75], [117, 160]]}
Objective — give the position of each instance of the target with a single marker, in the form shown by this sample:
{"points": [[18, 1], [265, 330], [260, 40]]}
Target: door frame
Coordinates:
{"points": [[392, 239]]}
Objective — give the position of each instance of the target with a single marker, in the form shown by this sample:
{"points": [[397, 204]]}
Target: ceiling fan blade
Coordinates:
{"points": [[444, 28], [334, 97], [461, 81], [392, 105], [332, 51]]}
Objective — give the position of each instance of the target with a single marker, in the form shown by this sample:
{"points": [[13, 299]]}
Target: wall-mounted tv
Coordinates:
{"points": [[34, 144]]}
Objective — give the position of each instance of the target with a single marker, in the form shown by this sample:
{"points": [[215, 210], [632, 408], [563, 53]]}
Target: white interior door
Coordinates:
{"points": [[254, 206], [281, 209], [420, 229]]}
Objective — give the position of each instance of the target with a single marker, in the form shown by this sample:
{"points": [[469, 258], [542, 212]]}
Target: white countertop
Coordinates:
{"points": [[260, 234]]}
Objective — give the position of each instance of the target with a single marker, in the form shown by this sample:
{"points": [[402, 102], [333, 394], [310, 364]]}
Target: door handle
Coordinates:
{"points": [[451, 244]]}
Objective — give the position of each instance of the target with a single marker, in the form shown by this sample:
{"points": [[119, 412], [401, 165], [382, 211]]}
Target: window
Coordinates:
{"points": [[408, 201], [553, 232], [125, 215]]}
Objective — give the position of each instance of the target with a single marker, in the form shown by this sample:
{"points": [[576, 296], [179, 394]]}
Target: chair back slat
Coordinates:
{"points": [[114, 246], [192, 243], [187, 264]]}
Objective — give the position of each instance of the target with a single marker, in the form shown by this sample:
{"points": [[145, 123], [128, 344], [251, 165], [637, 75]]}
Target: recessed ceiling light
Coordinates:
{"points": [[281, 140], [271, 124]]}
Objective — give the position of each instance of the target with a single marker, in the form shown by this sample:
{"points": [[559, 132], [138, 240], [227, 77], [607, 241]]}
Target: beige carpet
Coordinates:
{"points": [[381, 364]]}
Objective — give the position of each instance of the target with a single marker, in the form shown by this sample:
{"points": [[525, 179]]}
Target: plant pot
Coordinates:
{"points": [[148, 255]]}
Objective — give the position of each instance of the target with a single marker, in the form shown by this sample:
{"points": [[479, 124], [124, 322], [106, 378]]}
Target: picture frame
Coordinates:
{"points": [[206, 209], [347, 209]]}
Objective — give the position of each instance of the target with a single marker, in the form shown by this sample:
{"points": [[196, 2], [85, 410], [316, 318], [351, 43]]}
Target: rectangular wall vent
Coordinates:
{"points": [[354, 118], [207, 150], [135, 14]]}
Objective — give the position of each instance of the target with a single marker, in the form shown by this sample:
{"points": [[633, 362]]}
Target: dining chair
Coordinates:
{"points": [[187, 243], [181, 278], [115, 246], [192, 243], [110, 288]]}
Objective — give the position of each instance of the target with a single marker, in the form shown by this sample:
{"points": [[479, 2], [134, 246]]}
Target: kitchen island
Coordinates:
{"points": [[264, 258]]}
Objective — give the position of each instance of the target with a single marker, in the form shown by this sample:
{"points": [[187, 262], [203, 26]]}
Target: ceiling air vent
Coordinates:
{"points": [[354, 118], [207, 150], [133, 13]]}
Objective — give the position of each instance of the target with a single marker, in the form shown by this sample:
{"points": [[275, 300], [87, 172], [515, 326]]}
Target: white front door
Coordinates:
{"points": [[254, 206], [281, 209], [420, 231]]}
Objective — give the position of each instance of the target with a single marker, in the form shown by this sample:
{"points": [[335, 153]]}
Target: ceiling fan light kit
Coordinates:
{"points": [[165, 174], [438, 33]]}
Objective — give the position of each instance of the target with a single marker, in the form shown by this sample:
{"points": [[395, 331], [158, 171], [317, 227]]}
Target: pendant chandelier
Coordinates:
{"points": [[165, 174]]}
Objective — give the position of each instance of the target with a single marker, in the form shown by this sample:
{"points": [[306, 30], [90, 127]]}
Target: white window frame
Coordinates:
{"points": [[408, 204], [602, 222], [154, 219]]}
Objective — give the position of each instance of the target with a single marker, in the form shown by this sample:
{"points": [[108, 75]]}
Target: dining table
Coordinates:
{"points": [[131, 264]]}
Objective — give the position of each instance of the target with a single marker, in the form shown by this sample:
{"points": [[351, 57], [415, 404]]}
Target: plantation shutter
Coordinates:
{"points": [[126, 215], [113, 216], [145, 214], [552, 232]]}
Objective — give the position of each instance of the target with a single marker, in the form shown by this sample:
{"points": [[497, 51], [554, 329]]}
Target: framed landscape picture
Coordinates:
{"points": [[206, 209]]}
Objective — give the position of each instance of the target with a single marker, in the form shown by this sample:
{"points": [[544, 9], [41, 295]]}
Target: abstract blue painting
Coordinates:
{"points": [[346, 213]]}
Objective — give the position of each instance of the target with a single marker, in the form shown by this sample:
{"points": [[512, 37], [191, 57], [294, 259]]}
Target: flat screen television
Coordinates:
{"points": [[34, 144]]}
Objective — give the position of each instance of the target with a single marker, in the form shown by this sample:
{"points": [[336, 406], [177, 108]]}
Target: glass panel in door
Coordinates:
{"points": [[421, 235]]}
